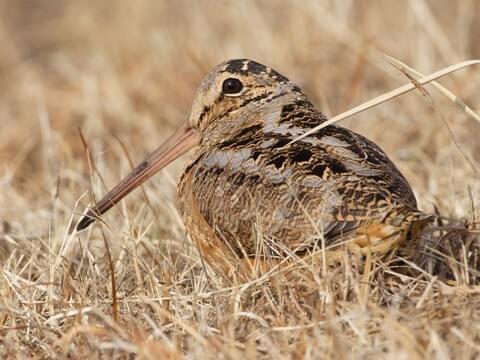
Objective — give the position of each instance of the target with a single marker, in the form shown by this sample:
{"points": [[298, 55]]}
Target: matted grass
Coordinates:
{"points": [[124, 73]]}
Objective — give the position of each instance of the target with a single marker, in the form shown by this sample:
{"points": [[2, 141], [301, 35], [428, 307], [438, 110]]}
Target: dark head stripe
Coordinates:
{"points": [[244, 66]]}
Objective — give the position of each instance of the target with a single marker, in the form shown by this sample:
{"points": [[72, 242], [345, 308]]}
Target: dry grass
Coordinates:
{"points": [[125, 73]]}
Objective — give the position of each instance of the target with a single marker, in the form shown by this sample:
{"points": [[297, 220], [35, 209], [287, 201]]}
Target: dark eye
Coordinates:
{"points": [[232, 86]]}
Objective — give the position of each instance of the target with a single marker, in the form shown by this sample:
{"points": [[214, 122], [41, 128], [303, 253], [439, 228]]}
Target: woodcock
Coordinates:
{"points": [[250, 192]]}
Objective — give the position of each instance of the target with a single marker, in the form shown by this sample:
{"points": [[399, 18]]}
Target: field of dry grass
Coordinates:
{"points": [[124, 73]]}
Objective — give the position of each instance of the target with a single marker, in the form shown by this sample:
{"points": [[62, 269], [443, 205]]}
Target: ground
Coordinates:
{"points": [[116, 78]]}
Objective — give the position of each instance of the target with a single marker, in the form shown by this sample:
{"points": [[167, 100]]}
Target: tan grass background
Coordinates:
{"points": [[124, 72]]}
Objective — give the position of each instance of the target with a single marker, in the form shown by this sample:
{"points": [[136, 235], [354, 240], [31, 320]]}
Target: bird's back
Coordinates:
{"points": [[331, 184]]}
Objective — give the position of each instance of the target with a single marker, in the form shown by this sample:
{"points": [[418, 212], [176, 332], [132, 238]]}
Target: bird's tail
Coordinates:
{"points": [[446, 248]]}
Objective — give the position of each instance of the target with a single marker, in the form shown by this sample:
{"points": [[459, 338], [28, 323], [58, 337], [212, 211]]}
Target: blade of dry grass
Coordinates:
{"points": [[429, 98], [454, 98], [388, 96]]}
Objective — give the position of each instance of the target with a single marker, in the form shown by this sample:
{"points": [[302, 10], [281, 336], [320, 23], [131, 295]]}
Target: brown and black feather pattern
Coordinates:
{"points": [[248, 187]]}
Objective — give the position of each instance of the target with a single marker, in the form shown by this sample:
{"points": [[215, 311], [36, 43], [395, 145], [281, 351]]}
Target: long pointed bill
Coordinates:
{"points": [[179, 143]]}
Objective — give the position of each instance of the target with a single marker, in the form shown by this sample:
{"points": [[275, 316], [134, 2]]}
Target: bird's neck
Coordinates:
{"points": [[288, 111]]}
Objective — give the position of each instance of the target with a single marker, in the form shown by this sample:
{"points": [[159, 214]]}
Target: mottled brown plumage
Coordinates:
{"points": [[249, 191]]}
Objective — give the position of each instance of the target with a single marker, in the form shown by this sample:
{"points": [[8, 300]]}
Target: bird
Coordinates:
{"points": [[251, 192]]}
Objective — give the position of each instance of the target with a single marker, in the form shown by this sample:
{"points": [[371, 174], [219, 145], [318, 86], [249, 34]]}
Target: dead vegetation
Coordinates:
{"points": [[124, 73]]}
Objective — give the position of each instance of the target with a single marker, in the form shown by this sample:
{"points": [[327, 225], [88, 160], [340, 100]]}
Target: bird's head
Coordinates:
{"points": [[234, 95]]}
